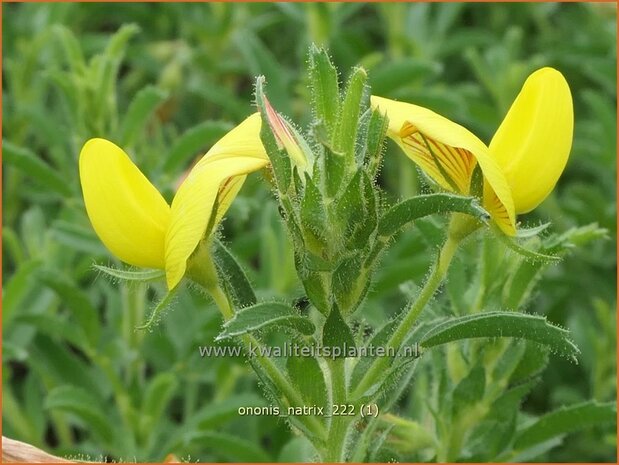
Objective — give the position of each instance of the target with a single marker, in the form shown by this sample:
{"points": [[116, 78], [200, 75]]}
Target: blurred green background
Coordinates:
{"points": [[167, 80]]}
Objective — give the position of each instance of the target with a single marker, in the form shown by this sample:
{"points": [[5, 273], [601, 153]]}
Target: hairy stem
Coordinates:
{"points": [[283, 384], [336, 442], [377, 369]]}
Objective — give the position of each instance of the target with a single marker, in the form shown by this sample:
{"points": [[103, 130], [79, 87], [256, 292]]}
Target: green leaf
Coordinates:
{"points": [[350, 206], [194, 142], [211, 417], [325, 88], [55, 326], [230, 271], [379, 339], [260, 60], [140, 109], [423, 205], [566, 420], [298, 450], [495, 432], [533, 361], [308, 378], [391, 76], [53, 360], [517, 248], [231, 448], [470, 390], [77, 237], [83, 405], [374, 141], [383, 389], [17, 287], [34, 167], [142, 276], [105, 67], [334, 171], [313, 216], [349, 283], [521, 284], [524, 233], [75, 299], [336, 334], [71, 47], [215, 414], [265, 315], [365, 228], [316, 288], [346, 132], [501, 324], [161, 305], [280, 162], [156, 397]]}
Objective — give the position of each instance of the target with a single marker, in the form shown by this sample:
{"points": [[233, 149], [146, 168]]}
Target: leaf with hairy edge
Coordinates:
{"points": [[265, 315], [517, 248], [142, 276], [423, 205], [325, 87], [233, 275], [501, 324]]}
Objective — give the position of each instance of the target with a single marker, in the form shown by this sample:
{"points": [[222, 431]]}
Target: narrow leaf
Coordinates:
{"points": [[82, 404], [34, 167], [233, 275], [325, 88], [566, 420], [501, 324], [142, 106], [142, 276], [265, 315], [423, 205], [162, 305], [517, 248], [346, 134]]}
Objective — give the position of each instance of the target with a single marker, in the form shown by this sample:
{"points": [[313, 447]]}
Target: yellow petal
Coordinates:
{"points": [[533, 143], [447, 152], [241, 141], [127, 212], [212, 184]]}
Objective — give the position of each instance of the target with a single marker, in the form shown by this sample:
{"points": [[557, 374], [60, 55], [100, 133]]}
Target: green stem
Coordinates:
{"points": [[336, 442], [133, 296], [293, 397], [435, 279]]}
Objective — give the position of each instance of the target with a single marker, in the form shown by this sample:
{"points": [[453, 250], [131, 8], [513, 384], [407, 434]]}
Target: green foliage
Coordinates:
{"points": [[501, 324], [165, 81], [265, 315]]}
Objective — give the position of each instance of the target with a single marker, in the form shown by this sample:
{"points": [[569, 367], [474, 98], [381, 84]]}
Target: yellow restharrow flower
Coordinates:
{"points": [[523, 162], [134, 221]]}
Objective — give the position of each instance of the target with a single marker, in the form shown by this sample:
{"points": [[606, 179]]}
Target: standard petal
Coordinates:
{"points": [[447, 152], [533, 143], [242, 141], [199, 205], [211, 186], [127, 212]]}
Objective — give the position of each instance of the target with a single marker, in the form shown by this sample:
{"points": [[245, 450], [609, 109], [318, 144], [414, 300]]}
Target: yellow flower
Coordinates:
{"points": [[523, 162], [134, 221]]}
